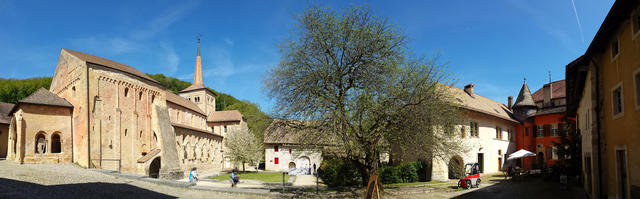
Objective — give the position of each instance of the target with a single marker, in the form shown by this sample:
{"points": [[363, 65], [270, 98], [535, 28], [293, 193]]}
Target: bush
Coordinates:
{"points": [[408, 172], [336, 172], [405, 172], [389, 175]]}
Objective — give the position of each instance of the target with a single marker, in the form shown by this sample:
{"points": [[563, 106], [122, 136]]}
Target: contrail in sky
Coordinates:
{"points": [[578, 20]]}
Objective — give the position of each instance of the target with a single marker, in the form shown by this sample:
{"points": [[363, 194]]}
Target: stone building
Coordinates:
{"points": [[5, 120], [117, 118], [285, 149], [603, 89], [541, 115], [487, 134]]}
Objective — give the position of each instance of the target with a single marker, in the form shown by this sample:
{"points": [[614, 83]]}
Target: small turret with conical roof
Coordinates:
{"points": [[524, 105]]}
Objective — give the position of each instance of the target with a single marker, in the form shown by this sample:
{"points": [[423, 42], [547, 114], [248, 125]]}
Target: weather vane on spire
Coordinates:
{"points": [[525, 80]]}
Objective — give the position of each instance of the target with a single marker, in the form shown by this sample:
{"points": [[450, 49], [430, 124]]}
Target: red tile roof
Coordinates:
{"points": [[558, 91], [225, 116], [109, 63], [181, 101]]}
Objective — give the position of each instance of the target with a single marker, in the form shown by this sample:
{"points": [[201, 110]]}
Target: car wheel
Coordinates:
{"points": [[469, 184]]}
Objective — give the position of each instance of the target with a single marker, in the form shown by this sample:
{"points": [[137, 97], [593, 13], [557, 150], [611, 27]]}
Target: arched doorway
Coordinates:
{"points": [[41, 143], [55, 143], [456, 167], [292, 165], [154, 168]]}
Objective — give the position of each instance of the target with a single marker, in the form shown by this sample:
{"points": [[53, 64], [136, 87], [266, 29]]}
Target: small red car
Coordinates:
{"points": [[471, 176]]}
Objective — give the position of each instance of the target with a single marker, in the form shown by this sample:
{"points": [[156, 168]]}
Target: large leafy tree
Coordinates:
{"points": [[243, 147], [352, 74]]}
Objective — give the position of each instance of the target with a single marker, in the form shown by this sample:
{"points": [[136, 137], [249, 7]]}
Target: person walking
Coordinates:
{"points": [[234, 177], [193, 175]]}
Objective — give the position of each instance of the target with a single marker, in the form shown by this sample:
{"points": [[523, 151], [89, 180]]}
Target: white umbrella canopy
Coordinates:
{"points": [[520, 154]]}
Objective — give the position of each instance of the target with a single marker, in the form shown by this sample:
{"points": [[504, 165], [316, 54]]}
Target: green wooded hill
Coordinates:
{"points": [[12, 90]]}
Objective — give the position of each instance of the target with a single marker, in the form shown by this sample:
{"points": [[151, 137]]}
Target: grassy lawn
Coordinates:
{"points": [[265, 177], [396, 185]]}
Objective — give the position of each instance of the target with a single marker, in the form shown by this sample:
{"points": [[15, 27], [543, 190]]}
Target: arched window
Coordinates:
{"points": [[41, 143], [125, 132], [140, 134], [126, 92], [153, 98], [140, 96], [56, 145]]}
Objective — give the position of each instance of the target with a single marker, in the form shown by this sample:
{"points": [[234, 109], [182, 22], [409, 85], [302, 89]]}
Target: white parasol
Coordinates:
{"points": [[520, 154]]}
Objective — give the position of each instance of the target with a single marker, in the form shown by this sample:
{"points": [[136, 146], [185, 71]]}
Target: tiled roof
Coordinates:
{"points": [[225, 116], [284, 132], [524, 97], [195, 87], [479, 103], [5, 108], [181, 101], [558, 91], [44, 97], [149, 155], [109, 63], [192, 128]]}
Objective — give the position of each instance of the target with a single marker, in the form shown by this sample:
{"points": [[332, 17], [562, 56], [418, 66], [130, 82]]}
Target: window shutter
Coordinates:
{"points": [[547, 130]]}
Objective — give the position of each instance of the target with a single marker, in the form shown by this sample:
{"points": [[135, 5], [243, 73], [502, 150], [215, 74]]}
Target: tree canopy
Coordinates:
{"points": [[243, 146], [352, 73]]}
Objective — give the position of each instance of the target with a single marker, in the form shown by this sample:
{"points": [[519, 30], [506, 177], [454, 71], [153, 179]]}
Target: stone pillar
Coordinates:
{"points": [[20, 138]]}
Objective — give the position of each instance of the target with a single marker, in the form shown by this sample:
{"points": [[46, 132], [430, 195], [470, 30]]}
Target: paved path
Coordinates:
{"points": [[70, 181], [306, 181]]}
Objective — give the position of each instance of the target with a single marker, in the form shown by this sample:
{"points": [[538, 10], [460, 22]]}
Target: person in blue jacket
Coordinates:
{"points": [[193, 175], [234, 177]]}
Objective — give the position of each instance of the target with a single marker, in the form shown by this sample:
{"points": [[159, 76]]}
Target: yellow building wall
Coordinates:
{"points": [[621, 131]]}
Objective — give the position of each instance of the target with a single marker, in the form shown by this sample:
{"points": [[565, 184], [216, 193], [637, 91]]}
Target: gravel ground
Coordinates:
{"points": [[70, 181]]}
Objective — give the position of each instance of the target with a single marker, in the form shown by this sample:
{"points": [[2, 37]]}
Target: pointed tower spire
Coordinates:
{"points": [[524, 97], [197, 74]]}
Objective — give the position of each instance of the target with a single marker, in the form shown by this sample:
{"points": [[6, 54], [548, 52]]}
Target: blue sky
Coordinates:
{"points": [[494, 44]]}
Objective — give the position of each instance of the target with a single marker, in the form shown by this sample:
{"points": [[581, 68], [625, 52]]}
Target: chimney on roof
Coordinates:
{"points": [[547, 92], [469, 89], [510, 102]]}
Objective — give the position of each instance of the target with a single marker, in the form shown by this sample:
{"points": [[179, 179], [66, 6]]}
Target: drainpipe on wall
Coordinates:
{"points": [[598, 132]]}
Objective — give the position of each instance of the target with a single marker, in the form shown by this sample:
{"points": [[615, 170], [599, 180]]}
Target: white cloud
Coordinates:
{"points": [[228, 41], [170, 59], [164, 20], [105, 45]]}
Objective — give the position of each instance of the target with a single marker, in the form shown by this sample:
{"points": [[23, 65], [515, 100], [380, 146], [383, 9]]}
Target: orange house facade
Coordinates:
{"points": [[541, 123]]}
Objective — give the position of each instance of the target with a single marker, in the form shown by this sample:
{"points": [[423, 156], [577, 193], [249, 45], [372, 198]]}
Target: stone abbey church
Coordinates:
{"points": [[103, 114]]}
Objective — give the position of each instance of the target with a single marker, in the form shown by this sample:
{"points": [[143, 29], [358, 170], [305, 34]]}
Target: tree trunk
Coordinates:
{"points": [[242, 166]]}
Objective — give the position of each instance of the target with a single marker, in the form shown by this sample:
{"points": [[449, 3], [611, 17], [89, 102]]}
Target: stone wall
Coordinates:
{"points": [[290, 156], [4, 139], [43, 134], [198, 149]]}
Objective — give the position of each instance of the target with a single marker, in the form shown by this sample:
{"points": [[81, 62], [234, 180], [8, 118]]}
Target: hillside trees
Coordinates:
{"points": [[13, 90], [352, 73]]}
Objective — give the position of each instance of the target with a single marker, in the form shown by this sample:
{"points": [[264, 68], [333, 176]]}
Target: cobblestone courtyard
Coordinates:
{"points": [[70, 181]]}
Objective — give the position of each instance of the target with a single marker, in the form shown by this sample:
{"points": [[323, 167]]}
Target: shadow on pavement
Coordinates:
{"points": [[527, 188], [19, 189]]}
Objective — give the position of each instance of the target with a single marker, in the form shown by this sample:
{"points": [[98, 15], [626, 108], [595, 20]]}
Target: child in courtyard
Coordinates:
{"points": [[193, 175], [234, 177]]}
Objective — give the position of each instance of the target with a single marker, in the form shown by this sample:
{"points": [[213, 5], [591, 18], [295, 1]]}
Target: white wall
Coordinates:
{"points": [[584, 123], [284, 157], [485, 143]]}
